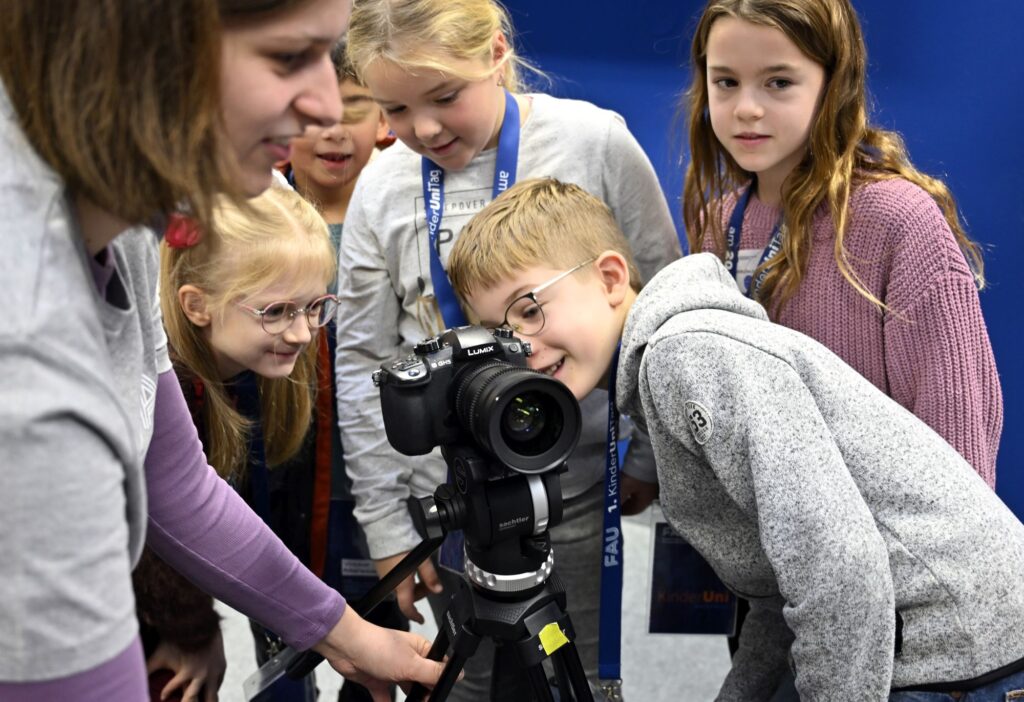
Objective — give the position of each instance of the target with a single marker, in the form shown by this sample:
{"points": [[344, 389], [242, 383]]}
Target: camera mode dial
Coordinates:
{"points": [[432, 345]]}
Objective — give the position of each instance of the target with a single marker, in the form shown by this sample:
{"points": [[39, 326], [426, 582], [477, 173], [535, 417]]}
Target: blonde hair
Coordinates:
{"points": [[426, 34], [247, 249], [540, 221], [844, 151]]}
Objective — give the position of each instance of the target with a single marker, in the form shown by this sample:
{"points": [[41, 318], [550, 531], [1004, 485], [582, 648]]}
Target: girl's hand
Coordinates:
{"points": [[410, 590], [195, 672], [636, 494]]}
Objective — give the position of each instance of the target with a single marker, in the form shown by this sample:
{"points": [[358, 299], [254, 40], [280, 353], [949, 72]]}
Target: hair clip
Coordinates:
{"points": [[181, 232]]}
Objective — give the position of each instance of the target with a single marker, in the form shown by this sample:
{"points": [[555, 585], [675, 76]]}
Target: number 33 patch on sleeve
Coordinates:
{"points": [[701, 424]]}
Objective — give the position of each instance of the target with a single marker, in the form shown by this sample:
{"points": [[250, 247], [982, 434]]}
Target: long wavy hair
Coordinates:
{"points": [[844, 150], [248, 248]]}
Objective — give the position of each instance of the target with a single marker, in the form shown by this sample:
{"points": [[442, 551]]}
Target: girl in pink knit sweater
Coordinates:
{"points": [[824, 219]]}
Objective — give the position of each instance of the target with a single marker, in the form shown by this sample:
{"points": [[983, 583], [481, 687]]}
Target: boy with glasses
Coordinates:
{"points": [[878, 564]]}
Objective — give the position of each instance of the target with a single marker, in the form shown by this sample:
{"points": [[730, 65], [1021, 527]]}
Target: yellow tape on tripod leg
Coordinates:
{"points": [[552, 638]]}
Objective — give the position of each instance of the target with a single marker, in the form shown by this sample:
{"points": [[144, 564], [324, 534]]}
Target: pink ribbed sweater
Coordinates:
{"points": [[930, 351]]}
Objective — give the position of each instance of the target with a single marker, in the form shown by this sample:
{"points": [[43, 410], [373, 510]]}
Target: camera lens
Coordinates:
{"points": [[528, 421], [524, 418], [525, 424]]}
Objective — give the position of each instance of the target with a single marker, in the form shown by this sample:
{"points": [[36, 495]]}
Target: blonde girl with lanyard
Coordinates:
{"points": [[823, 218], [447, 76]]}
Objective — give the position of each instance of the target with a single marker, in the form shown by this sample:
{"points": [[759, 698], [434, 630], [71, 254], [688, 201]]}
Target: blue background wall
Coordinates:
{"points": [[947, 74]]}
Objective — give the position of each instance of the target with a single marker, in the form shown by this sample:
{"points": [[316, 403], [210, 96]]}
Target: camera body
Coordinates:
{"points": [[415, 389], [470, 385]]}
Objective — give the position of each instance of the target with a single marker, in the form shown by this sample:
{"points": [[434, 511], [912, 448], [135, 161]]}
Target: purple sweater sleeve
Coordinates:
{"points": [[938, 355], [930, 350], [203, 529]]}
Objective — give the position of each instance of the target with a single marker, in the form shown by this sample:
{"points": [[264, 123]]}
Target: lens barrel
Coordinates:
{"points": [[525, 419]]}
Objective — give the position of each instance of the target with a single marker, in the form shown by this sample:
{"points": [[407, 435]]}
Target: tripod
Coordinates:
{"points": [[523, 610], [533, 623], [509, 591]]}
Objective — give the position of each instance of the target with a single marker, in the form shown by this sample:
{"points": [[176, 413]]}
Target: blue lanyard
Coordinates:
{"points": [[433, 197], [609, 666], [733, 235]]}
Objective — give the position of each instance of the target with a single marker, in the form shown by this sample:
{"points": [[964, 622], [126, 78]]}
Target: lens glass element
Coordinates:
{"points": [[524, 422]]}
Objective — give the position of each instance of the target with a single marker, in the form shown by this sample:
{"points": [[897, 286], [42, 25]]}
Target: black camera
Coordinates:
{"points": [[470, 385]]}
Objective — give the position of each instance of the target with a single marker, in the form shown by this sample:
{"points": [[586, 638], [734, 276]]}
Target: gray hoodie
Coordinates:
{"points": [[872, 554]]}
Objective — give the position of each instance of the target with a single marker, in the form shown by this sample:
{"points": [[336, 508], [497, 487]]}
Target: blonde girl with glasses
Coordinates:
{"points": [[243, 306], [249, 300], [451, 84]]}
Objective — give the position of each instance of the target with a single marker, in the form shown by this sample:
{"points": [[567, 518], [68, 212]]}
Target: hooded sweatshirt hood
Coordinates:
{"points": [[695, 283]]}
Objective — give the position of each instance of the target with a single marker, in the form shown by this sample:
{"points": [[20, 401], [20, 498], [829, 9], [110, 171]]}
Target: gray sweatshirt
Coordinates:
{"points": [[827, 504], [384, 272], [76, 407]]}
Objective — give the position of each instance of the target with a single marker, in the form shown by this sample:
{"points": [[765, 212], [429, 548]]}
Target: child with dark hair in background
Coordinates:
{"points": [[326, 161]]}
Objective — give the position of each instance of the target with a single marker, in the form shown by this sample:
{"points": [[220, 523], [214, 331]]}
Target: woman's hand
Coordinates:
{"points": [[375, 657]]}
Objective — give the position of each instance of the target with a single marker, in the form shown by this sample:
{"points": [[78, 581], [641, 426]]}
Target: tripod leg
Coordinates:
{"points": [[565, 691], [440, 645], [568, 665], [539, 683], [466, 643]]}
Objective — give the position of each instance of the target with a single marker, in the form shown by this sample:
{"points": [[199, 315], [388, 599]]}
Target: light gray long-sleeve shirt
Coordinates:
{"points": [[76, 407], [384, 274], [832, 508]]}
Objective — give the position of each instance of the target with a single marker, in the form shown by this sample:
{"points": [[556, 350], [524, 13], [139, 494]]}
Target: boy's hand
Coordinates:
{"points": [[375, 657], [197, 674], [636, 494], [410, 590]]}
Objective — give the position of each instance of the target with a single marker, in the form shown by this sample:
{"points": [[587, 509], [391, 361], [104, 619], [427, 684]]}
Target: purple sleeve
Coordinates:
{"points": [[123, 677], [938, 356], [201, 527]]}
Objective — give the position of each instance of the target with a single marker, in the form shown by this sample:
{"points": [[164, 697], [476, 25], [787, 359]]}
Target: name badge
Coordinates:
{"points": [[686, 595]]}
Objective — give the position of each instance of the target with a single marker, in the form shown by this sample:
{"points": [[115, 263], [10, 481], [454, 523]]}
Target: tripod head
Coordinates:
{"points": [[504, 516]]}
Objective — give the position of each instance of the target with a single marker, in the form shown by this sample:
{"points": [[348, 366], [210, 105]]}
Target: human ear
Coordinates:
{"points": [[613, 271], [499, 48], [382, 127], [193, 304]]}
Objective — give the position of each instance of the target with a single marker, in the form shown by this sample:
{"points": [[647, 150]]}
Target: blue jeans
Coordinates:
{"points": [[1008, 689]]}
